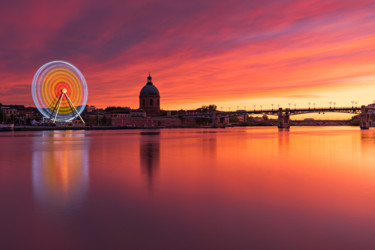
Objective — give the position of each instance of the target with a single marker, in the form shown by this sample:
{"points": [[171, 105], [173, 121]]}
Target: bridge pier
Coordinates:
{"points": [[364, 118], [283, 119], [245, 118]]}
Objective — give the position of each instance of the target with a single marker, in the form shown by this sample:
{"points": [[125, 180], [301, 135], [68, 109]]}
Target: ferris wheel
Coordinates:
{"points": [[59, 91]]}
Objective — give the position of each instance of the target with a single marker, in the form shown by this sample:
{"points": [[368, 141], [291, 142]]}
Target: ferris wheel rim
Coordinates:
{"points": [[39, 87]]}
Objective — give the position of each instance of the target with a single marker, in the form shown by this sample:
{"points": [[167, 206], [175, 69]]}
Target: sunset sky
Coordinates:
{"points": [[234, 54]]}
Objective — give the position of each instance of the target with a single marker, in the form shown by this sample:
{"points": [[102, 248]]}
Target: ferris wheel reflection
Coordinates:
{"points": [[60, 169]]}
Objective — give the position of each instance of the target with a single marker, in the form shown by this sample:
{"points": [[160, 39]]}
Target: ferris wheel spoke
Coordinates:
{"points": [[58, 108], [54, 108]]}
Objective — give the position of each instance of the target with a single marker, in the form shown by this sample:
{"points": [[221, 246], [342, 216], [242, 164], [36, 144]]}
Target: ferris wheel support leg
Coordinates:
{"points": [[67, 97], [54, 108], [58, 108]]}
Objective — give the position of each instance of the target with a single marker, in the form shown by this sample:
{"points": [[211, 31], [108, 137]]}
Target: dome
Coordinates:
{"points": [[149, 88]]}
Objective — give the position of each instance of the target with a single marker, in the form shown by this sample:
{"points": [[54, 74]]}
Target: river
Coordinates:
{"points": [[233, 188]]}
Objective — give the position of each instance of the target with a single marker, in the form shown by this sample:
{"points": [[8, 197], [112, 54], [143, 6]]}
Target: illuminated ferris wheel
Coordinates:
{"points": [[59, 91]]}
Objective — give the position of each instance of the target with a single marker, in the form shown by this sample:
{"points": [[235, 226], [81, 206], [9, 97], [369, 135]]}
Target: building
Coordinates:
{"points": [[90, 108], [149, 98]]}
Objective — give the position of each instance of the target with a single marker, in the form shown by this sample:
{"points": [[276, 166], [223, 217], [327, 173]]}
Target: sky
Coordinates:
{"points": [[235, 54]]}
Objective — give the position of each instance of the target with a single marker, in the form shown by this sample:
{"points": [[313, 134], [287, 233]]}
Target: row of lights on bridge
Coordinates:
{"points": [[354, 104]]}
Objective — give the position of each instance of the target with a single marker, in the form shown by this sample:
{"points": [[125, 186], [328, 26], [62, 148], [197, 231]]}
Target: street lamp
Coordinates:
{"points": [[295, 105], [330, 105], [352, 104], [334, 105], [289, 105], [254, 107], [272, 106], [314, 105], [309, 104], [261, 107]]}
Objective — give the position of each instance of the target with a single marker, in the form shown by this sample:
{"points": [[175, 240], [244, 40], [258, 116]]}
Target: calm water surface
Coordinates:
{"points": [[236, 188]]}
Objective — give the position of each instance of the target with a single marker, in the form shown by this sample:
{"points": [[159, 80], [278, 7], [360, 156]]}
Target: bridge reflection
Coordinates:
{"points": [[60, 169]]}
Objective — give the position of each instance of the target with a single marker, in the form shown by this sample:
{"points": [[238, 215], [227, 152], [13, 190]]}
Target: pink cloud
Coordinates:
{"points": [[196, 51]]}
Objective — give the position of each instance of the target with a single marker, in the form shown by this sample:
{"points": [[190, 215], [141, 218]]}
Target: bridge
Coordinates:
{"points": [[222, 117]]}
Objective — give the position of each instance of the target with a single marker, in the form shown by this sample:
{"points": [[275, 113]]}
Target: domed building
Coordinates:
{"points": [[149, 98]]}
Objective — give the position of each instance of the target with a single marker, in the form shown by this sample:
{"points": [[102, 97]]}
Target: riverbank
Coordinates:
{"points": [[47, 128], [50, 128]]}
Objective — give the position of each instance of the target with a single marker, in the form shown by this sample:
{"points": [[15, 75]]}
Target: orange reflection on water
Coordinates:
{"points": [[60, 168], [217, 188], [315, 172]]}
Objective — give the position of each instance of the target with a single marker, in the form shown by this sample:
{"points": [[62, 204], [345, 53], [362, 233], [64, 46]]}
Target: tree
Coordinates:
{"points": [[112, 108], [250, 120], [212, 107], [354, 121], [209, 108], [265, 117]]}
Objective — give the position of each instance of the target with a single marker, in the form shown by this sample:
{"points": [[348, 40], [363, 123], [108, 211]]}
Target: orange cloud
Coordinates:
{"points": [[197, 52]]}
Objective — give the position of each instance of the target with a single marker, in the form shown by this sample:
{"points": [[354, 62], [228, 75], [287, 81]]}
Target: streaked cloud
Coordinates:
{"points": [[197, 51]]}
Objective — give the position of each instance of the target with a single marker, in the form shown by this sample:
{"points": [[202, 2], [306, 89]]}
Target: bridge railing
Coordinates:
{"points": [[276, 111]]}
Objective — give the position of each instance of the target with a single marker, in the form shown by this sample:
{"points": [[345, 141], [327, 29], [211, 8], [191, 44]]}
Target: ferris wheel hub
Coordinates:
{"points": [[64, 91]]}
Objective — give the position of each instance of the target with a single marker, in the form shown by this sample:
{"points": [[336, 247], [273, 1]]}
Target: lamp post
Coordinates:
{"points": [[334, 105], [314, 105], [289, 105], [254, 107], [309, 105], [261, 107], [330, 105], [295, 106], [272, 106]]}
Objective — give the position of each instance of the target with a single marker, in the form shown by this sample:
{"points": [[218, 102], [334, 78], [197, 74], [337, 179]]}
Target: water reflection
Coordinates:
{"points": [[210, 147], [60, 169], [283, 141], [367, 143], [149, 154]]}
